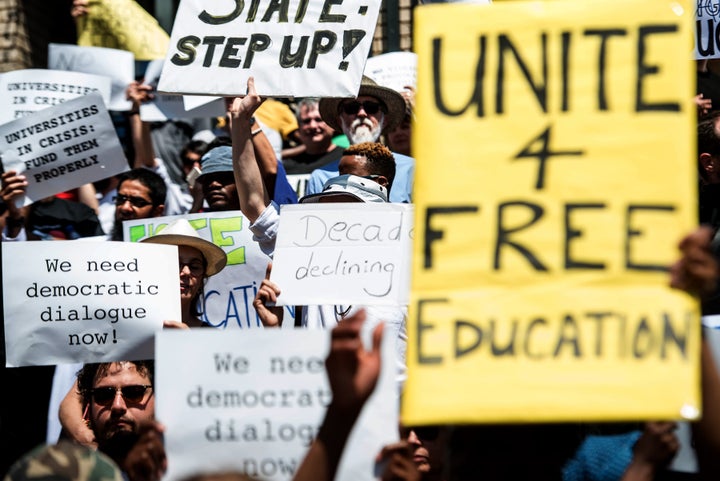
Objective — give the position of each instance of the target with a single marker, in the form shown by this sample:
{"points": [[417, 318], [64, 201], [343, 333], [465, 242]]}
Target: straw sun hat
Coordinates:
{"points": [[393, 100], [181, 233]]}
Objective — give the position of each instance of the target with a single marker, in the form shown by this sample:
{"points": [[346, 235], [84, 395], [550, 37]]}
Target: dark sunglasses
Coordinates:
{"points": [[135, 394], [352, 108], [135, 201], [424, 433]]}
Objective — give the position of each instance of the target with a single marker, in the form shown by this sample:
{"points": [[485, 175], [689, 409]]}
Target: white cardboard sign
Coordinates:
{"points": [[24, 92], [117, 64], [91, 302], [228, 294], [301, 48], [253, 401], [62, 147], [168, 106], [395, 70], [707, 22], [299, 183], [343, 254]]}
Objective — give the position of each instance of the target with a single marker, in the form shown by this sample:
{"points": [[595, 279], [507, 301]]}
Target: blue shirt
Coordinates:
{"points": [[284, 193]]}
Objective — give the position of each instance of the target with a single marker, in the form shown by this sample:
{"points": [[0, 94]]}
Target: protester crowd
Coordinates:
{"points": [[98, 420]]}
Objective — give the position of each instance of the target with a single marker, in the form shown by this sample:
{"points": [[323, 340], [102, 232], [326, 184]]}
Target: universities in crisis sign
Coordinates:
{"points": [[543, 237]]}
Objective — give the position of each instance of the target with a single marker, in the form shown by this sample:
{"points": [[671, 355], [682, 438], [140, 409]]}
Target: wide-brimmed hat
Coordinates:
{"points": [[349, 188], [392, 99], [181, 233]]}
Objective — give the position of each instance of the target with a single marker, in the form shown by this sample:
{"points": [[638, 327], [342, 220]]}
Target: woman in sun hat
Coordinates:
{"points": [[199, 259]]}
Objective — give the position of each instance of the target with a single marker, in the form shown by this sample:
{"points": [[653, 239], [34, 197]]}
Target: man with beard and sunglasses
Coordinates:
{"points": [[375, 110], [119, 405]]}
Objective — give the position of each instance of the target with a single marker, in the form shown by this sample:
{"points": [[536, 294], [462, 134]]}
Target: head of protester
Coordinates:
{"points": [[140, 195], [314, 133], [375, 110], [117, 399], [217, 179], [399, 138], [54, 218], [428, 449], [64, 461], [191, 153], [708, 135], [348, 188], [370, 160], [198, 260]]}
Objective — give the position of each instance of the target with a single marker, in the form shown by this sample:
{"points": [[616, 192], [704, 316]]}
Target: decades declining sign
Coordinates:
{"points": [[540, 285]]}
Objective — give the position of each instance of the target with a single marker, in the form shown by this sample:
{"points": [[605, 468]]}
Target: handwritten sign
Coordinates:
{"points": [[395, 70], [62, 147], [24, 92], [165, 106], [103, 302], [707, 23], [117, 64], [310, 48], [343, 254], [227, 302], [123, 25], [253, 402], [299, 183], [540, 267]]}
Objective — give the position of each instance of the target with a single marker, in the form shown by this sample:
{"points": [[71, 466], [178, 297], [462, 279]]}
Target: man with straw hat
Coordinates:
{"points": [[375, 110]]}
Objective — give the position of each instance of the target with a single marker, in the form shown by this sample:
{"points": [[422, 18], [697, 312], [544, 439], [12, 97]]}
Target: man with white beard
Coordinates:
{"points": [[376, 109]]}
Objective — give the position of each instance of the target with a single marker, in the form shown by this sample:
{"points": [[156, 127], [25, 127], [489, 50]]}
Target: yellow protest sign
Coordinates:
{"points": [[555, 175], [124, 25]]}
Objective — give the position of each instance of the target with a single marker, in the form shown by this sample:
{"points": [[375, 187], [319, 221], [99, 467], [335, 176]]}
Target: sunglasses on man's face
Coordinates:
{"points": [[104, 396], [138, 202], [424, 433], [370, 107]]}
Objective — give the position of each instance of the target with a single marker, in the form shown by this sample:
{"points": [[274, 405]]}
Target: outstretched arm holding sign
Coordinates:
{"points": [[263, 149]]}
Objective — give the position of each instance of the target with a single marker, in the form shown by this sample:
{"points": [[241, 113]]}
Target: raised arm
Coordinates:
{"points": [[653, 451], [266, 159], [270, 315], [697, 273], [72, 419], [248, 178], [14, 186], [88, 196], [353, 373], [138, 93]]}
